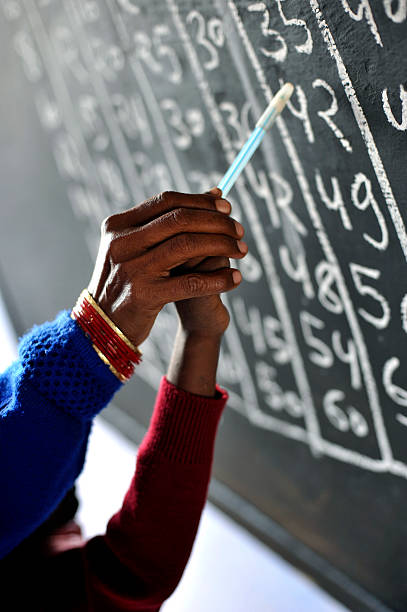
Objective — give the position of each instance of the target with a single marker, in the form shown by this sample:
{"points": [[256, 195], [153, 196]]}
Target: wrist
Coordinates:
{"points": [[109, 342], [201, 335], [194, 362]]}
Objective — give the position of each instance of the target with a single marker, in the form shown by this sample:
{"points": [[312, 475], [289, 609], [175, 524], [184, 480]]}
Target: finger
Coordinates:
{"points": [[192, 263], [203, 265], [162, 203], [215, 191], [211, 264], [198, 284], [218, 193], [178, 250], [177, 221]]}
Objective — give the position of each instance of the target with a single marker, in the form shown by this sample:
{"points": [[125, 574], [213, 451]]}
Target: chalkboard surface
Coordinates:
{"points": [[106, 103]]}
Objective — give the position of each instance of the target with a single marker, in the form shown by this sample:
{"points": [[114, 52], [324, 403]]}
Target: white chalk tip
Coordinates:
{"points": [[276, 106]]}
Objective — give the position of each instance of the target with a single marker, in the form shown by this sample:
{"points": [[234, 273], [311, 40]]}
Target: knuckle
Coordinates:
{"points": [[140, 289], [182, 244], [107, 224], [165, 196], [114, 249], [219, 284], [179, 217], [195, 284]]}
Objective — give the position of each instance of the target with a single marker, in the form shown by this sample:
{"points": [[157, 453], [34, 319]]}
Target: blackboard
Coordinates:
{"points": [[105, 103]]}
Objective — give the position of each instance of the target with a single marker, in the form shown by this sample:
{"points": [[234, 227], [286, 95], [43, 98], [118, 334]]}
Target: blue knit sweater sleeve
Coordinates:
{"points": [[48, 398]]}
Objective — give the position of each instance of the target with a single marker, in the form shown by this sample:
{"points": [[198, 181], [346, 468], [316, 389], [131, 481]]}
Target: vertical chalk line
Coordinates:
{"points": [[119, 142], [178, 175], [363, 127], [62, 95], [257, 229], [269, 155], [370, 382], [165, 139], [150, 100], [248, 388]]}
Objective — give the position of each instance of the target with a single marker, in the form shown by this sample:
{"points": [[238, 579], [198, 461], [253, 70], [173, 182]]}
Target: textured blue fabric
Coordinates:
{"points": [[48, 398]]}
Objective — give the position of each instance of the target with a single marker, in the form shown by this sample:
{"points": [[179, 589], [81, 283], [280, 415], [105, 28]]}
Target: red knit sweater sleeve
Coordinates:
{"points": [[139, 561]]}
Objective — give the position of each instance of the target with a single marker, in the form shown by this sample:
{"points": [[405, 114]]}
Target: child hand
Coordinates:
{"points": [[206, 316]]}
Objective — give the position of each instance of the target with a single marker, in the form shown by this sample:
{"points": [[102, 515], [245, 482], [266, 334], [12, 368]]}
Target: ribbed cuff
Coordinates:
{"points": [[183, 425]]}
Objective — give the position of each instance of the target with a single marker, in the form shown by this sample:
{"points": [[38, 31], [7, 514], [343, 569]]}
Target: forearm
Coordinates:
{"points": [[47, 399], [194, 362], [139, 561]]}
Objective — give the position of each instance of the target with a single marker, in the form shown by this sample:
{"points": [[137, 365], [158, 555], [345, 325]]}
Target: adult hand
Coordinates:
{"points": [[139, 248]]}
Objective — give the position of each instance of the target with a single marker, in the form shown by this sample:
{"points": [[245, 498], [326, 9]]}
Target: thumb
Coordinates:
{"points": [[215, 191]]}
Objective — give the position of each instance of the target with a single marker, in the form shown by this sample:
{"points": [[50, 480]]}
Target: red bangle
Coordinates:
{"points": [[112, 346]]}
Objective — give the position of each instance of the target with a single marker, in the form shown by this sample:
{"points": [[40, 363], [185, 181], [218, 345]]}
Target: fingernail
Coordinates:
{"points": [[237, 277], [215, 191], [242, 246], [223, 206], [239, 228]]}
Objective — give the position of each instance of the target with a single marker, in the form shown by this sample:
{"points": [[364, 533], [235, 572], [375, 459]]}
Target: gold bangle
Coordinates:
{"points": [[118, 331], [111, 367]]}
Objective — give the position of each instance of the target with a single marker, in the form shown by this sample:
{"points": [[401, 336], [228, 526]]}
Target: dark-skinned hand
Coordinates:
{"points": [[141, 247]]}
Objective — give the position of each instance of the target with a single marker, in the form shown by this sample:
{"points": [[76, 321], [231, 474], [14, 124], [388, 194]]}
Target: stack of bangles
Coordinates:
{"points": [[112, 346]]}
